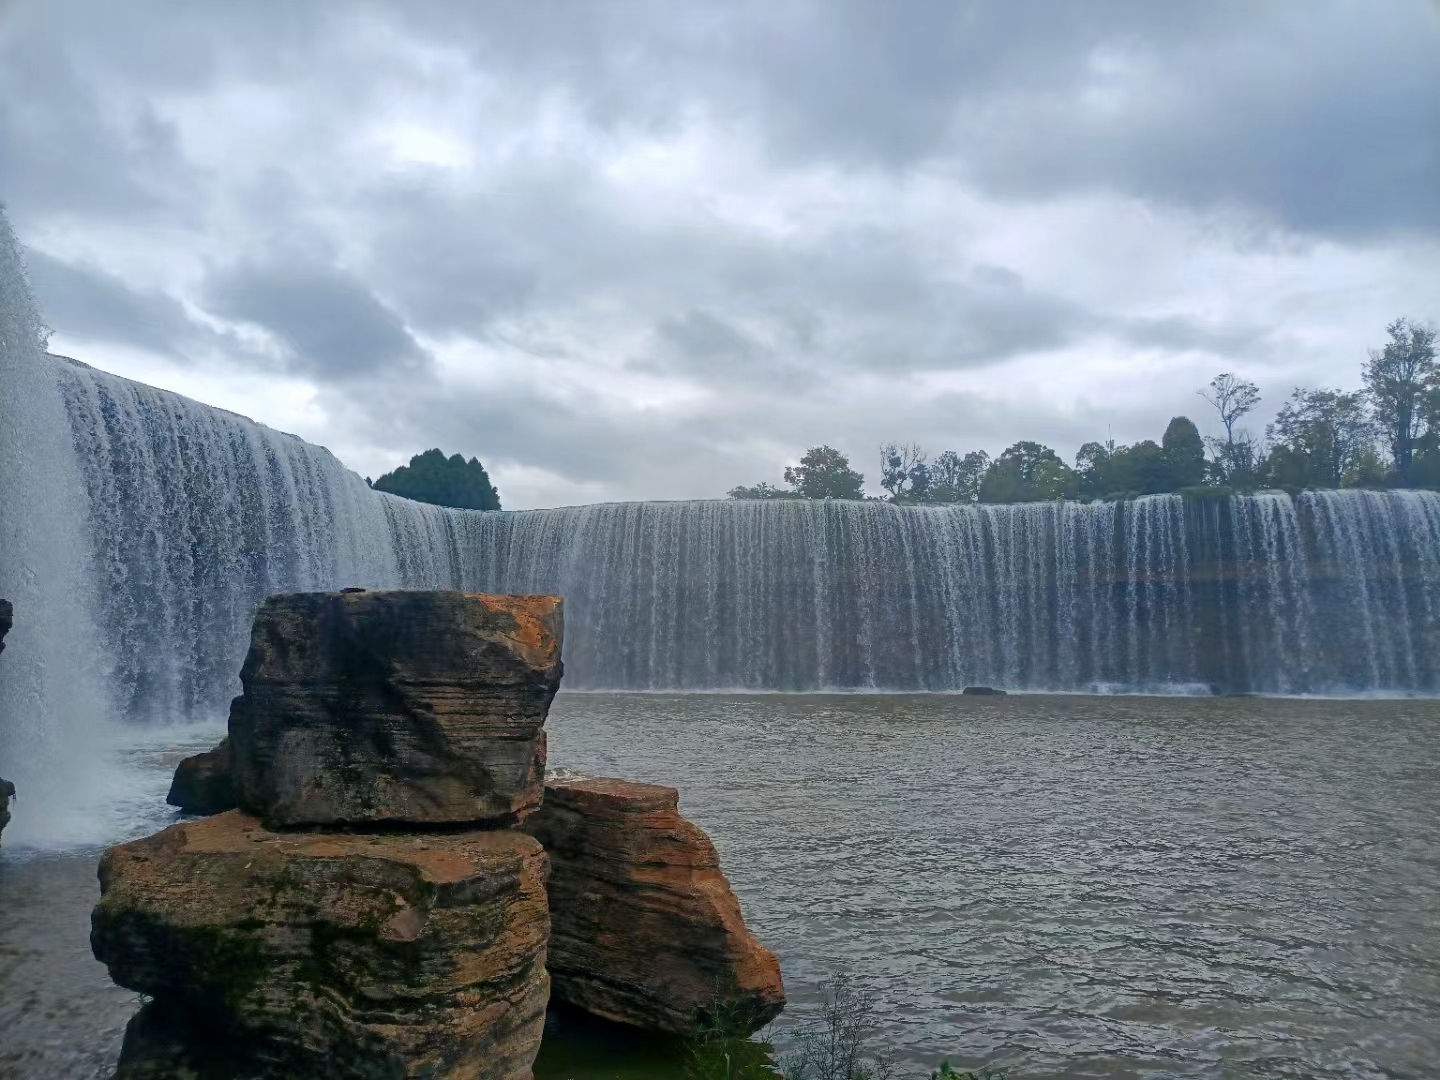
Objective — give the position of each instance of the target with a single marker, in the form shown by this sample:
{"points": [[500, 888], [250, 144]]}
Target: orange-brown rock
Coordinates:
{"points": [[422, 708], [329, 955], [645, 929]]}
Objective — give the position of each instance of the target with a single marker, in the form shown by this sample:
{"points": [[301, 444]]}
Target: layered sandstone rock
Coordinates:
{"points": [[645, 928], [205, 783], [421, 708], [315, 954]]}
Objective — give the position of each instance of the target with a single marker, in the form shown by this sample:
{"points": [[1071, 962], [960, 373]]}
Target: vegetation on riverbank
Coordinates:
{"points": [[838, 1043], [1386, 434]]}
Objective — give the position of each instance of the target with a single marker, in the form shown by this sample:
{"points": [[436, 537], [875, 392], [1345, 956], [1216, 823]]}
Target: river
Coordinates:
{"points": [[1062, 886]]}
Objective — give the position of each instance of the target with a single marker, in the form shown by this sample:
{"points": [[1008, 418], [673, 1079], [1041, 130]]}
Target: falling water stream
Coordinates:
{"points": [[195, 514]]}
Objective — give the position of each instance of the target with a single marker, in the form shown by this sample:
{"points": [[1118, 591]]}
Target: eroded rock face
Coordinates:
{"points": [[205, 783], [315, 954], [421, 708], [645, 929]]}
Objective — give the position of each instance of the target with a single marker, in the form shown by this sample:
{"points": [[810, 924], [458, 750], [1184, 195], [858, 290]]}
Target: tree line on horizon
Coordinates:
{"points": [[1386, 434]]}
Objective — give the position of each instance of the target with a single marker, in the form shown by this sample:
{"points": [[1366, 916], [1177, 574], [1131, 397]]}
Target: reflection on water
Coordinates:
{"points": [[1064, 886]]}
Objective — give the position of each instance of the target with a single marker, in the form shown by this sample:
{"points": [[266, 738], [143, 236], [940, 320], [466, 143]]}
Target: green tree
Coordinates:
{"points": [[825, 473], [1027, 472], [431, 477], [904, 472], [761, 490], [1236, 458], [953, 478], [1184, 453], [1319, 436], [1399, 380]]}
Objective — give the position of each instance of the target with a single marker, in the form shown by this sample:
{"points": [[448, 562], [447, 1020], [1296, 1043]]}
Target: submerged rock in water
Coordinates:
{"points": [[645, 928], [421, 708], [205, 783], [982, 691], [315, 954]]}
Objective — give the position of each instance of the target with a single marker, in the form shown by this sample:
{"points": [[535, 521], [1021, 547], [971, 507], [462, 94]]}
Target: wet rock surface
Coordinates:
{"points": [[7, 620], [205, 783], [419, 708], [645, 928], [319, 954]]}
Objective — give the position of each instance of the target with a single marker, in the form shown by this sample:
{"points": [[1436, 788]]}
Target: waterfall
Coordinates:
{"points": [[53, 709], [196, 514]]}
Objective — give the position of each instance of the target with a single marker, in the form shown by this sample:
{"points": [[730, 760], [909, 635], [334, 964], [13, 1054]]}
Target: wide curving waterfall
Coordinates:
{"points": [[195, 514]]}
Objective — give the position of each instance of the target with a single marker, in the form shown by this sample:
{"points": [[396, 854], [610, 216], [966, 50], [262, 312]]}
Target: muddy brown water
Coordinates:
{"points": [[1060, 886]]}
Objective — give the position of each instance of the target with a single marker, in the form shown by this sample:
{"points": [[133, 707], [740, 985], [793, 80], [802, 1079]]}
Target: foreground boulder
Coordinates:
{"points": [[314, 954], [205, 783], [419, 708], [645, 929]]}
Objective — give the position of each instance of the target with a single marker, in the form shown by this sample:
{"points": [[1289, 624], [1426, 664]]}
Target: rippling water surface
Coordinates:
{"points": [[1061, 886]]}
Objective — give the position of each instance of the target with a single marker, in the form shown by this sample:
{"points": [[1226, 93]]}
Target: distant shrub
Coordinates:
{"points": [[838, 1044]]}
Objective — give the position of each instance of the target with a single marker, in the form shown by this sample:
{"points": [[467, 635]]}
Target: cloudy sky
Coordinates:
{"points": [[654, 250]]}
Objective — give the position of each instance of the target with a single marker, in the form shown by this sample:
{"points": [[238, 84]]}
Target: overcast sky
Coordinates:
{"points": [[654, 250]]}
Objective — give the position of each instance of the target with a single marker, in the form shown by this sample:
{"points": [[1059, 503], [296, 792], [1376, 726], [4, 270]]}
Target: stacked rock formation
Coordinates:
{"points": [[404, 932], [408, 933], [7, 789], [645, 929]]}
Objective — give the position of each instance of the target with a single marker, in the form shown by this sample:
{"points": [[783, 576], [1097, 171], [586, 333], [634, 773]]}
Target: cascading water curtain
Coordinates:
{"points": [[195, 514]]}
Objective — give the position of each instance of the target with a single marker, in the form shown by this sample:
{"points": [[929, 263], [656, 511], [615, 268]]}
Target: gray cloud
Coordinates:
{"points": [[649, 249], [334, 325], [91, 304]]}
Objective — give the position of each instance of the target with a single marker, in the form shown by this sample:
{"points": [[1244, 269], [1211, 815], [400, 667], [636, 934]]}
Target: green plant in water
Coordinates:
{"points": [[948, 1072], [721, 1047]]}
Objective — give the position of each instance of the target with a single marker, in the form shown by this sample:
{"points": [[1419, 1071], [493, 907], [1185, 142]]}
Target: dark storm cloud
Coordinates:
{"points": [[95, 306], [334, 325]]}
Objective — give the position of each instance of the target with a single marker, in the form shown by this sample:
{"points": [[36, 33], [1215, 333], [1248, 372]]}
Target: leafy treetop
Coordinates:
{"points": [[431, 477]]}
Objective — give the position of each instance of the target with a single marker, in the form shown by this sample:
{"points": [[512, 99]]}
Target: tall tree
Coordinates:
{"points": [[1236, 457], [903, 472], [1323, 434], [1232, 398], [1398, 379], [1184, 454], [431, 477], [825, 473]]}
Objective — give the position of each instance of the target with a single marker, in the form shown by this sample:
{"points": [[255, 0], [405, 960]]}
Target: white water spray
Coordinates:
{"points": [[54, 714]]}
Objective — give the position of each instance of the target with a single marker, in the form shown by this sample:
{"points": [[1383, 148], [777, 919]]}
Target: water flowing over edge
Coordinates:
{"points": [[150, 536], [196, 514]]}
